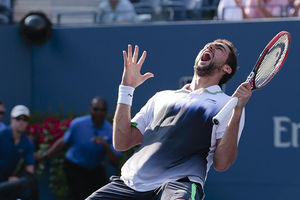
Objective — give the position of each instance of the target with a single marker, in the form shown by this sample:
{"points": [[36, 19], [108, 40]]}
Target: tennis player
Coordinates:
{"points": [[177, 139]]}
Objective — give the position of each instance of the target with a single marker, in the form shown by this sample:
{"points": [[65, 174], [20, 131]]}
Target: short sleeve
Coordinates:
{"points": [[68, 133], [143, 118]]}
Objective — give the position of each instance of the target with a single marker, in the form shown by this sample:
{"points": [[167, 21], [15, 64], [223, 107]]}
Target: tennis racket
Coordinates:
{"points": [[267, 66]]}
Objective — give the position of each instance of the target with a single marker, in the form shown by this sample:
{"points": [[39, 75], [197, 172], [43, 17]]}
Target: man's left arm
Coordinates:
{"points": [[226, 147]]}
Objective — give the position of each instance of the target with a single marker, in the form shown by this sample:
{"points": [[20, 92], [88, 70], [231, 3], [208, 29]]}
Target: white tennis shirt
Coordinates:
{"points": [[179, 138]]}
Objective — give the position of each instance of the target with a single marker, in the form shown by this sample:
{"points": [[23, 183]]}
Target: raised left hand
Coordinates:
{"points": [[132, 68]]}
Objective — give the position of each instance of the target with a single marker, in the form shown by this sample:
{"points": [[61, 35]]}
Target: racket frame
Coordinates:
{"points": [[251, 77]]}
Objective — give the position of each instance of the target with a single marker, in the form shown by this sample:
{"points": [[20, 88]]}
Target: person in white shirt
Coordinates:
{"points": [[116, 11], [230, 10], [177, 141]]}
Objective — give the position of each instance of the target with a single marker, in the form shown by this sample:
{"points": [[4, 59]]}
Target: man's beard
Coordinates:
{"points": [[206, 70]]}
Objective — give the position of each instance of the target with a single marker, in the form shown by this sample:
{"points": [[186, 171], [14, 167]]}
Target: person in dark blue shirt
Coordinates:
{"points": [[17, 158], [89, 142]]}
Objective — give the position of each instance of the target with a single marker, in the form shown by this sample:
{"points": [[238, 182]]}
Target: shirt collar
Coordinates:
{"points": [[214, 89]]}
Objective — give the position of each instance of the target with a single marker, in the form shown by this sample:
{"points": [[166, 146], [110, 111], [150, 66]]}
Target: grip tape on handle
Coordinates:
{"points": [[229, 106]]}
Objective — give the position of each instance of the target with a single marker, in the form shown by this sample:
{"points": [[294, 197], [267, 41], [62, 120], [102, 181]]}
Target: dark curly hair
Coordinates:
{"points": [[231, 60]]}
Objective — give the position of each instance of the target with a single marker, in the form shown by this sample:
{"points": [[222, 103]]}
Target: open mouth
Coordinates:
{"points": [[206, 56]]}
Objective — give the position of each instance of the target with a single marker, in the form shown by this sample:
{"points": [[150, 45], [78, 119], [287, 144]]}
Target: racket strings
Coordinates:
{"points": [[271, 62]]}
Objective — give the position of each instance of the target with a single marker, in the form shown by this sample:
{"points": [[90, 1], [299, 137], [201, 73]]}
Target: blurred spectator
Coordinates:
{"points": [[173, 10], [209, 8], [17, 179], [294, 8], [2, 112], [116, 11], [230, 9], [152, 7], [88, 142], [265, 8], [190, 6], [157, 9], [5, 11], [179, 9]]}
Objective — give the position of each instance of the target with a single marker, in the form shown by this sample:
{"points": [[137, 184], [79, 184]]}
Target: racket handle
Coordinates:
{"points": [[229, 106]]}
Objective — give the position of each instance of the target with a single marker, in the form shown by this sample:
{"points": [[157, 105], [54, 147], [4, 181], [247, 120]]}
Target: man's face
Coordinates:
{"points": [[19, 124], [211, 58], [2, 111], [98, 110]]}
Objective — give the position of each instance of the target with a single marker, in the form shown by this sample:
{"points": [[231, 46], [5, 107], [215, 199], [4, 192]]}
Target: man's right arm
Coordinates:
{"points": [[227, 147], [55, 148], [125, 136]]}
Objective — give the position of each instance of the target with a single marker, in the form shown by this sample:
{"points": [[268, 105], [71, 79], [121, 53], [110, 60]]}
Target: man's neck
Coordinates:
{"points": [[98, 123], [203, 82]]}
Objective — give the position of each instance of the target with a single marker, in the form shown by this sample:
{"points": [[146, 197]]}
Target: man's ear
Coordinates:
{"points": [[227, 69]]}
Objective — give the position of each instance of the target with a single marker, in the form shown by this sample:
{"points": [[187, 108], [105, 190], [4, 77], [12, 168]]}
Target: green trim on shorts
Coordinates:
{"points": [[194, 190], [134, 124]]}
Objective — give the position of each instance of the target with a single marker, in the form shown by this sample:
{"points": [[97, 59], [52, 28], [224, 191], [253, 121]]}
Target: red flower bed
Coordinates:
{"points": [[49, 131]]}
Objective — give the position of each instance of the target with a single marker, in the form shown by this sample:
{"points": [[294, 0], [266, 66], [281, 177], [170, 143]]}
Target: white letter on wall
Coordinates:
{"points": [[295, 128], [278, 130]]}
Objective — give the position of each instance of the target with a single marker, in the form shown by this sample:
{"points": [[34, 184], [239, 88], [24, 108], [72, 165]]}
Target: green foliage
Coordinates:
{"points": [[57, 179], [44, 134], [45, 130]]}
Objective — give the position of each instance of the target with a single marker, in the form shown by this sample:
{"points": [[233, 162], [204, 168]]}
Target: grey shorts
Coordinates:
{"points": [[180, 189]]}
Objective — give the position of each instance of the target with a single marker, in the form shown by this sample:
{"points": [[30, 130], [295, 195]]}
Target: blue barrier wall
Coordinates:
{"points": [[15, 69], [79, 63]]}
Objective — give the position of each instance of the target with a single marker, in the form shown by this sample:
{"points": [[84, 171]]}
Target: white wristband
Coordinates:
{"points": [[125, 94]]}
